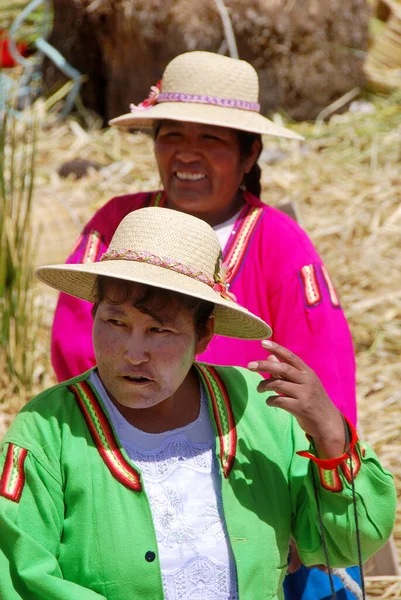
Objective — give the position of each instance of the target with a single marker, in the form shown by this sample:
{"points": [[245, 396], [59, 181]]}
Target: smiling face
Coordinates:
{"points": [[144, 355], [201, 168]]}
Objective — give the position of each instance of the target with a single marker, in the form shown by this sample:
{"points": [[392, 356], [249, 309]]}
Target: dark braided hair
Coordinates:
{"points": [[252, 179]]}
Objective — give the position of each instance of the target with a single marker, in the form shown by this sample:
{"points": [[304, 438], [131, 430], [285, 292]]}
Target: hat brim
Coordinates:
{"points": [[231, 320], [208, 114]]}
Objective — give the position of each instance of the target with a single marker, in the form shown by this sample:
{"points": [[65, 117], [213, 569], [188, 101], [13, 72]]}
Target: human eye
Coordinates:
{"points": [[211, 136], [160, 330], [116, 322], [170, 133]]}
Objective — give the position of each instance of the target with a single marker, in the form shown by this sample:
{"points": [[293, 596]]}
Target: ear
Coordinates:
{"points": [[252, 158], [204, 338]]}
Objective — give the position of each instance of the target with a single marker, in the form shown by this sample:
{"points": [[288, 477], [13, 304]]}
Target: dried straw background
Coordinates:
{"points": [[346, 180]]}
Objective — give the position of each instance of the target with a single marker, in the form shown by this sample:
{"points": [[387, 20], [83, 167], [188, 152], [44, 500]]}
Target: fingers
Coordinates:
{"points": [[277, 369], [280, 387], [284, 355]]}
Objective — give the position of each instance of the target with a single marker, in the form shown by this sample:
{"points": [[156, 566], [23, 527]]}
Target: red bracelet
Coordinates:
{"points": [[328, 467]]}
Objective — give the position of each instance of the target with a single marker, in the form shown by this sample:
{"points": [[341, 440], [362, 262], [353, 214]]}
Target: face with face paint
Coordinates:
{"points": [[145, 352]]}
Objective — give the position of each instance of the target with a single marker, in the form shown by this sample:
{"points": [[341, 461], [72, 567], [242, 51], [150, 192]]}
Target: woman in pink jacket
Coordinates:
{"points": [[207, 129]]}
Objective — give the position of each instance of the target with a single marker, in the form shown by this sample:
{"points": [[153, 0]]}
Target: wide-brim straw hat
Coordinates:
{"points": [[208, 88], [165, 249]]}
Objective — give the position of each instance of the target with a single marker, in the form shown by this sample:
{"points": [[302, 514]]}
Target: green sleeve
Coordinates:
{"points": [[375, 501], [31, 525]]}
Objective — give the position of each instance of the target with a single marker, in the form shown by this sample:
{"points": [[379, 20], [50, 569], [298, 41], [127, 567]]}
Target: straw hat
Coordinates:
{"points": [[203, 87], [153, 246]]}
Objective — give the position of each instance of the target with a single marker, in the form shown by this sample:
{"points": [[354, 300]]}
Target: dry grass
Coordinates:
{"points": [[346, 179], [382, 588]]}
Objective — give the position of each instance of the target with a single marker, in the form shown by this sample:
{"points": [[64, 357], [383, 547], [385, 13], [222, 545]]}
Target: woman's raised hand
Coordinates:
{"points": [[299, 391]]}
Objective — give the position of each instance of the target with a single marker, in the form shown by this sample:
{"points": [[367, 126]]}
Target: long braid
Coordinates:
{"points": [[252, 179]]}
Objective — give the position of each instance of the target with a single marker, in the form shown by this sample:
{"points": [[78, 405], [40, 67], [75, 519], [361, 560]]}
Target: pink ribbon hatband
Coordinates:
{"points": [[225, 102], [173, 265]]}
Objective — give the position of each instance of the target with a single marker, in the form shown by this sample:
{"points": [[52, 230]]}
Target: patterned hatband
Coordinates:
{"points": [[152, 259], [226, 102], [218, 284]]}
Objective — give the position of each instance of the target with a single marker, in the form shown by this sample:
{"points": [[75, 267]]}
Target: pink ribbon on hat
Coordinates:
{"points": [[219, 284], [156, 96]]}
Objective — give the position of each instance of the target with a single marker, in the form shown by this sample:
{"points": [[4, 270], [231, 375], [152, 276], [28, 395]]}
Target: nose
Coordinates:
{"points": [[187, 157], [136, 350], [187, 152]]}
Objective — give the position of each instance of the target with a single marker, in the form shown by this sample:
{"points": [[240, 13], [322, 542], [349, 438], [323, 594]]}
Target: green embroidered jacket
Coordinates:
{"points": [[75, 520]]}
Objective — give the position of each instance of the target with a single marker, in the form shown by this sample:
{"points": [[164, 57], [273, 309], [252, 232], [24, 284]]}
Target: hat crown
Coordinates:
{"points": [[209, 74], [171, 236]]}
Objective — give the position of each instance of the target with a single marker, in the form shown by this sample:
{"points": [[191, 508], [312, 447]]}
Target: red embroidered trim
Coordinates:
{"points": [[103, 436], [310, 284], [12, 479], [332, 292], [223, 415], [238, 244], [328, 468], [92, 247]]}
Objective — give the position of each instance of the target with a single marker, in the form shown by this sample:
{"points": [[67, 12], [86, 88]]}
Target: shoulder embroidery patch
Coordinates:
{"points": [[310, 285], [12, 479], [330, 480], [330, 287], [104, 437], [223, 415]]}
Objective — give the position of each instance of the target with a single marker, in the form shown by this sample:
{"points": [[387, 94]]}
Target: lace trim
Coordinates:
{"points": [[173, 453], [201, 579]]}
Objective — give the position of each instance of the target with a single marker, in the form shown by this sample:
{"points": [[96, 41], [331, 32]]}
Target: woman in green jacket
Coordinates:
{"points": [[152, 476]]}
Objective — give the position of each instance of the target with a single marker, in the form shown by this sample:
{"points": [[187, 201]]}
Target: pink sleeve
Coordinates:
{"points": [[308, 319], [305, 311], [71, 345]]}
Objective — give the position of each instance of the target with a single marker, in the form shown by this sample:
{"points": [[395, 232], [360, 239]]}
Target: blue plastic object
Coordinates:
{"points": [[31, 77]]}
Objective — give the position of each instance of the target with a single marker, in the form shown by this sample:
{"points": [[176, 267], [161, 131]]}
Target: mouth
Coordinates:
{"points": [[137, 379], [185, 176]]}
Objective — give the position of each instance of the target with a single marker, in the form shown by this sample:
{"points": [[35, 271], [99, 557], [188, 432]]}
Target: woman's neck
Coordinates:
{"points": [[214, 218], [177, 411]]}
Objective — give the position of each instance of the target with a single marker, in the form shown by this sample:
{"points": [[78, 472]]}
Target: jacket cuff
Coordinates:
{"points": [[330, 469]]}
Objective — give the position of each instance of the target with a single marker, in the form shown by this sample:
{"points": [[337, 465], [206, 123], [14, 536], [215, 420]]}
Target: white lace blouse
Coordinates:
{"points": [[182, 481]]}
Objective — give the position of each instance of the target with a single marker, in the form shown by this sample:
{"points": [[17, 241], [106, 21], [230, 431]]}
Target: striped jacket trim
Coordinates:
{"points": [[223, 416], [156, 199], [239, 241], [103, 436], [93, 243]]}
